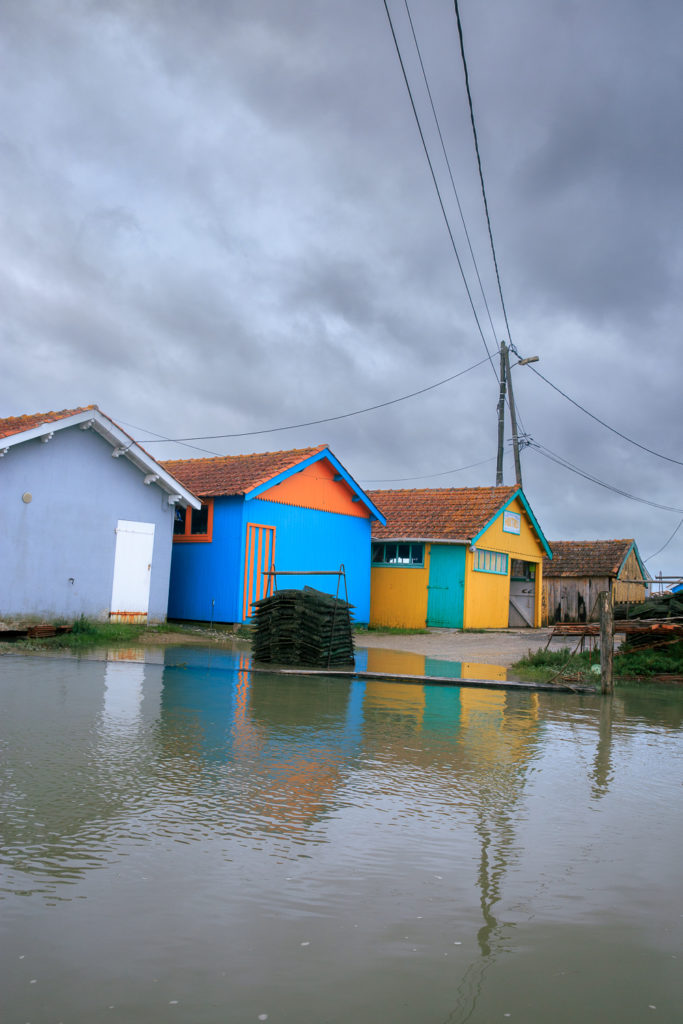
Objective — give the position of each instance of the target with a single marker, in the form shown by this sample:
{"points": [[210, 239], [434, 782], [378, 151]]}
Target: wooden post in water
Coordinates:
{"points": [[606, 642]]}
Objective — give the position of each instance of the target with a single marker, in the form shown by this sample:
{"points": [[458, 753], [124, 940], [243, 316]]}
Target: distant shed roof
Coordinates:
{"points": [[587, 557], [449, 513]]}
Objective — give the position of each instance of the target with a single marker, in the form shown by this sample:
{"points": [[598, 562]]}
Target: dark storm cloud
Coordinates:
{"points": [[218, 218], [592, 138]]}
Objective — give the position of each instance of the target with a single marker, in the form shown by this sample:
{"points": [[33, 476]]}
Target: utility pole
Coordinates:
{"points": [[606, 641], [501, 415], [506, 383], [513, 417]]}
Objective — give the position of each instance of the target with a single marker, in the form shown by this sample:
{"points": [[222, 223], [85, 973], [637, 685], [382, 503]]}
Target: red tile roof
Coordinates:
{"points": [[235, 474], [453, 513], [586, 557], [18, 424]]}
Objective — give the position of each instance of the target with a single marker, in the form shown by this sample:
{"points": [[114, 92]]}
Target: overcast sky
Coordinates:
{"points": [[218, 218]]}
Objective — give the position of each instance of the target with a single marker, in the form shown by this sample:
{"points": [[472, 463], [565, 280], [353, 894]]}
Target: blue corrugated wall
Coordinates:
{"points": [[305, 539], [202, 573]]}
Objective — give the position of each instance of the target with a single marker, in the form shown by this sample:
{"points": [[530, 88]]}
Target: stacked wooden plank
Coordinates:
{"points": [[303, 627], [659, 606]]}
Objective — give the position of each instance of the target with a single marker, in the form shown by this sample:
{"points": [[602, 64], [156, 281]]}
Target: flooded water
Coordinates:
{"points": [[189, 841]]}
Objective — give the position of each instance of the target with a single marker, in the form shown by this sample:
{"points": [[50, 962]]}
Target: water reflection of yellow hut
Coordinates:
{"points": [[401, 663], [493, 731], [397, 698]]}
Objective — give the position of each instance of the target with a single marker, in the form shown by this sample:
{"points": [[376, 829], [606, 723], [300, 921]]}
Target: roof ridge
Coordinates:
{"points": [[10, 425], [250, 455]]}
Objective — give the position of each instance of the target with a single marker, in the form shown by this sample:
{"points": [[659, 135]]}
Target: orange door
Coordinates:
{"points": [[258, 559]]}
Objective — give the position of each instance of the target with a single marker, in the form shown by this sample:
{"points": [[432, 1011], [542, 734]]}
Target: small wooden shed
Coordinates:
{"points": [[582, 569]]}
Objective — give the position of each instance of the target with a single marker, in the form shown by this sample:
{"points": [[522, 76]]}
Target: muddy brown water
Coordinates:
{"points": [[184, 840]]}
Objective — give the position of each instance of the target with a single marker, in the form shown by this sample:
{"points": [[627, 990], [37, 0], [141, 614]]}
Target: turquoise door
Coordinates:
{"points": [[446, 589]]}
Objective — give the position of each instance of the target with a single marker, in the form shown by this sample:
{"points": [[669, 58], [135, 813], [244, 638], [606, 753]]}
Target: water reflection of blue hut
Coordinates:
{"points": [[289, 739]]}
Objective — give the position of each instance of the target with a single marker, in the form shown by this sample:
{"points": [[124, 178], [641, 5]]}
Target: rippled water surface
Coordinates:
{"points": [[191, 842]]}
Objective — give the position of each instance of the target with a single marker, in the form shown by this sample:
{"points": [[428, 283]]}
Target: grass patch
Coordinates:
{"points": [[542, 666], [87, 634], [665, 660]]}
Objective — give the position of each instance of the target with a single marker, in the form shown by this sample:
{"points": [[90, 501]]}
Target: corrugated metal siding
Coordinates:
{"points": [[206, 573], [315, 487], [308, 540], [487, 598], [399, 596]]}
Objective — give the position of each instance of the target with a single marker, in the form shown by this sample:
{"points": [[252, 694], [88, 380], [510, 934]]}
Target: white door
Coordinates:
{"points": [[132, 571]]}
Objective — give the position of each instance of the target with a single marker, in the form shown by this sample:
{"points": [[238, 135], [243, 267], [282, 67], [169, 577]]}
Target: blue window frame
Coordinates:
{"points": [[396, 553], [490, 561]]}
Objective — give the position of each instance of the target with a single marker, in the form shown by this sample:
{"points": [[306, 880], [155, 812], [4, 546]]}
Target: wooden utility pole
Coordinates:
{"points": [[513, 417], [501, 415], [606, 641]]}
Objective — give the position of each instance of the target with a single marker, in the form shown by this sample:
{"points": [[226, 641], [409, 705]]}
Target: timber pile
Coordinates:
{"points": [[657, 622], [653, 634], [303, 627], [664, 606]]}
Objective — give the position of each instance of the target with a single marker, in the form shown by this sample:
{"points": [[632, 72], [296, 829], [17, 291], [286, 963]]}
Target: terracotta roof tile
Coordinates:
{"points": [[453, 513], [586, 557], [235, 474], [17, 424]]}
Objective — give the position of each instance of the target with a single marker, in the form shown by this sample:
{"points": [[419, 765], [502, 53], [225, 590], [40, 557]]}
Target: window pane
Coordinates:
{"points": [[179, 520], [378, 552], [390, 554], [404, 554], [417, 557], [200, 520]]}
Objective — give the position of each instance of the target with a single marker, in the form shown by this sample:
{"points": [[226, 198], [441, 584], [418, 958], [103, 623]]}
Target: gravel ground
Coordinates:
{"points": [[491, 647]]}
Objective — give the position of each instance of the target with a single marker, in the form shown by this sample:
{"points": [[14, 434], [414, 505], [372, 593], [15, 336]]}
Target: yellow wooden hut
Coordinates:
{"points": [[468, 557]]}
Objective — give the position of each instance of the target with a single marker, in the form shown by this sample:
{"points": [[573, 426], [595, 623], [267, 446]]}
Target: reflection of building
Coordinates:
{"points": [[293, 741], [458, 557], [287, 739], [404, 663]]}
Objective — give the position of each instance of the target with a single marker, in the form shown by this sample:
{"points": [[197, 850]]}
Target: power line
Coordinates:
{"points": [[448, 165], [326, 419], [650, 451], [161, 437], [666, 544], [436, 184], [481, 173], [425, 476], [561, 461]]}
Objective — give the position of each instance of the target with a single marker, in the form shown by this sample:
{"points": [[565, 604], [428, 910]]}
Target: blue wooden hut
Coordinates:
{"points": [[296, 511]]}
